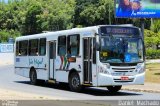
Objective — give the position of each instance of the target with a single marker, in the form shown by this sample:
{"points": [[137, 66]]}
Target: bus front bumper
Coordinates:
{"points": [[109, 80]]}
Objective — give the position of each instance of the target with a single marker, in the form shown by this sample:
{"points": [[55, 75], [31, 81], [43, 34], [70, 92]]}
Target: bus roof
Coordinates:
{"points": [[93, 29]]}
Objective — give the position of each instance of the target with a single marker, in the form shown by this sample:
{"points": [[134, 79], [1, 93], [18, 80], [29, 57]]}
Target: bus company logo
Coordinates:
{"points": [[36, 62]]}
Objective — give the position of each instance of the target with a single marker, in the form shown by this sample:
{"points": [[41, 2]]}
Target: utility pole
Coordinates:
{"points": [[142, 27], [109, 16]]}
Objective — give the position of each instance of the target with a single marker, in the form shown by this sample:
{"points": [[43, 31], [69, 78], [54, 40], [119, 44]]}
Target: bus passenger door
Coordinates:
{"points": [[87, 60], [52, 56]]}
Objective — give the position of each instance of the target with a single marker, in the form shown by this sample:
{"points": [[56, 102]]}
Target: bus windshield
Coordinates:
{"points": [[121, 49]]}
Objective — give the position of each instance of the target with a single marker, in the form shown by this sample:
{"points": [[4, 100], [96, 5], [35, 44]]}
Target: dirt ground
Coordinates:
{"points": [[16, 95]]}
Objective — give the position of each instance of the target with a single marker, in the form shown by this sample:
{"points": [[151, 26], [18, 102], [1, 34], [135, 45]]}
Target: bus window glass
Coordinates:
{"points": [[23, 46], [73, 46], [121, 45], [17, 48], [62, 45], [140, 49], [94, 50], [33, 47], [42, 47]]}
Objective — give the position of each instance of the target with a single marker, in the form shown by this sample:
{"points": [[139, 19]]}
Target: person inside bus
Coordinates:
{"points": [[62, 50], [74, 50]]}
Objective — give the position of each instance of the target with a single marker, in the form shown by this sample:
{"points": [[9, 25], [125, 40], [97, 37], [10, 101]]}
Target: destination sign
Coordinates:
{"points": [[119, 30]]}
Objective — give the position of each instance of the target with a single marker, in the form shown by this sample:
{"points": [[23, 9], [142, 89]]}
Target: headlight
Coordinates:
{"points": [[140, 67], [106, 72], [108, 66], [107, 69], [104, 68]]}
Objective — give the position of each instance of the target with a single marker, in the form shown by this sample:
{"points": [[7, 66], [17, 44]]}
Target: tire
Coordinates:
{"points": [[114, 89], [33, 77], [74, 82]]}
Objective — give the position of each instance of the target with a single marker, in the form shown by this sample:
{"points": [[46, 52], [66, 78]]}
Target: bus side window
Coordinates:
{"points": [[62, 45], [17, 48], [23, 46], [42, 47], [73, 44], [33, 47], [94, 50]]}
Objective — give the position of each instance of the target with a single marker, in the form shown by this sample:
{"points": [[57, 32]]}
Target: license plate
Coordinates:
{"points": [[124, 78]]}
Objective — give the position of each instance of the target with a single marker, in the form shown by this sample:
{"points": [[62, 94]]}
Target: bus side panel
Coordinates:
{"points": [[21, 66], [42, 74], [62, 76], [63, 67], [94, 75], [39, 63], [24, 64], [22, 72]]}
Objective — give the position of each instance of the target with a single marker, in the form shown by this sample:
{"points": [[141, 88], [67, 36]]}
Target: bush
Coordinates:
{"points": [[5, 34], [152, 54]]}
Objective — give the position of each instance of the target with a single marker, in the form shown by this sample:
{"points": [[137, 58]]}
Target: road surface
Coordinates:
{"points": [[9, 80]]}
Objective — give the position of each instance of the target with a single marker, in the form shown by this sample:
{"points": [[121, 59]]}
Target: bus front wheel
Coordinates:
{"points": [[114, 89], [33, 77], [74, 82]]}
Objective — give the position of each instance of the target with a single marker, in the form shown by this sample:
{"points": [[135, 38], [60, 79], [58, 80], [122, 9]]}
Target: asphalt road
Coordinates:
{"points": [[8, 80]]}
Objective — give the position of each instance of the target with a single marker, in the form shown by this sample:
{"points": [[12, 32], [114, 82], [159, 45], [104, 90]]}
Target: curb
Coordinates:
{"points": [[142, 90]]}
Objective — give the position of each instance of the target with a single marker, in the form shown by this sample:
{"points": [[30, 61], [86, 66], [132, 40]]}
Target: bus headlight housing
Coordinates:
{"points": [[140, 68], [108, 66], [107, 69]]}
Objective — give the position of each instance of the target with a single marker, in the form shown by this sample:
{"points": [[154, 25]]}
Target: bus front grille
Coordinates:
{"points": [[123, 69], [121, 81]]}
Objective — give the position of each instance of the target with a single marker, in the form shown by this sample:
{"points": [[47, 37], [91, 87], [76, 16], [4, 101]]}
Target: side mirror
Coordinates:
{"points": [[97, 46]]}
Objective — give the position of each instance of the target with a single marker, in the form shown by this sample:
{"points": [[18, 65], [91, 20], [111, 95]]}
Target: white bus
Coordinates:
{"points": [[106, 55]]}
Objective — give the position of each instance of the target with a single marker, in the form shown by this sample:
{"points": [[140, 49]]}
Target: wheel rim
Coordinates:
{"points": [[75, 82]]}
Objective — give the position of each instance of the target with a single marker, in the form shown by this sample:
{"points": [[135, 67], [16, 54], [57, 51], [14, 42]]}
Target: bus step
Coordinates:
{"points": [[89, 84], [51, 81]]}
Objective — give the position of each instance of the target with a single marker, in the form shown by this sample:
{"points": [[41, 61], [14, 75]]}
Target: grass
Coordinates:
{"points": [[153, 73]]}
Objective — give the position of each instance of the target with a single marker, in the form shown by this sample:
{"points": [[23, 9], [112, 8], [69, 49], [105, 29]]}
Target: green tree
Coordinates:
{"points": [[59, 17], [32, 26], [94, 12], [155, 27]]}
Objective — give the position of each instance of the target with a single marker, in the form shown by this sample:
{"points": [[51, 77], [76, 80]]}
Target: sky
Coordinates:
{"points": [[4, 0]]}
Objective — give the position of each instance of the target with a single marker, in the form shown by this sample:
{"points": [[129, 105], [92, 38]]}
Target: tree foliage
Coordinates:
{"points": [[155, 27], [35, 16]]}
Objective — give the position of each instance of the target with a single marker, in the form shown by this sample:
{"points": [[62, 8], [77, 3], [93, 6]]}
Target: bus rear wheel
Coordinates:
{"points": [[74, 82], [114, 89], [33, 77]]}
